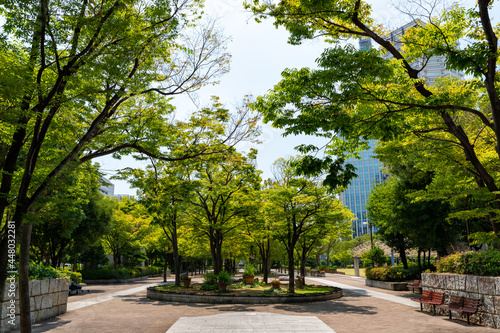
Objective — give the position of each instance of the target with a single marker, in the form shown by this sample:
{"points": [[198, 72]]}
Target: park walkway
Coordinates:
{"points": [[125, 308]]}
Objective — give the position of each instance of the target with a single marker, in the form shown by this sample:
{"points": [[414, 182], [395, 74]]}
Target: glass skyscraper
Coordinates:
{"points": [[355, 196]]}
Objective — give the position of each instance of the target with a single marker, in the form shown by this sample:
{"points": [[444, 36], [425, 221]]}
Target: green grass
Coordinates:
{"points": [[350, 271]]}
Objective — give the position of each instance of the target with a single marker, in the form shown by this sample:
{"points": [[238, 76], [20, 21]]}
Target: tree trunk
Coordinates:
{"points": [[418, 260], [291, 270], [24, 292], [402, 255]]}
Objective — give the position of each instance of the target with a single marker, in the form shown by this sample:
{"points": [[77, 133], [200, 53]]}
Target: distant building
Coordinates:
{"points": [[107, 188], [369, 168]]}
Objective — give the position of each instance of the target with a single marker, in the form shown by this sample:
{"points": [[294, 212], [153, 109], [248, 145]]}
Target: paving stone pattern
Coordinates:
{"points": [[250, 322]]}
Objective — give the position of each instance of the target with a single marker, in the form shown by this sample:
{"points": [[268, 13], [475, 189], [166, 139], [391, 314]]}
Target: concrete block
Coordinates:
{"points": [[7, 324], [38, 302], [496, 320], [496, 302], [48, 313], [62, 297], [53, 285], [485, 319], [460, 282], [471, 283], [47, 301], [32, 304], [486, 285], [35, 288], [488, 304], [62, 309], [425, 279], [450, 282], [44, 286]]}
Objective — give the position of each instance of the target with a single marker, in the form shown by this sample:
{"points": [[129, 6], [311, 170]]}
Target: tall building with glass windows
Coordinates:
{"points": [[369, 168], [355, 196]]}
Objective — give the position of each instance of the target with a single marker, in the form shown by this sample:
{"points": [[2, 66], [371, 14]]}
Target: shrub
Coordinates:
{"points": [[41, 272], [392, 274], [484, 263], [210, 279], [249, 270], [119, 273], [224, 277], [374, 257]]}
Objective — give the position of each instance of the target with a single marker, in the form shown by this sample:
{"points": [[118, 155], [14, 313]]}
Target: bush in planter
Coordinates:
{"points": [[249, 270], [224, 278], [392, 274], [484, 263], [209, 282]]}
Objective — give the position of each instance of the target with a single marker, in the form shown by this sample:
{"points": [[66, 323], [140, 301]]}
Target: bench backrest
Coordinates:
{"points": [[456, 302], [470, 304], [426, 295], [416, 284], [437, 297]]}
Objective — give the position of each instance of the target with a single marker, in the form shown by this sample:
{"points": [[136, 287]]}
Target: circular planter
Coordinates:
{"points": [[248, 278], [187, 283], [276, 285], [187, 297], [222, 286]]}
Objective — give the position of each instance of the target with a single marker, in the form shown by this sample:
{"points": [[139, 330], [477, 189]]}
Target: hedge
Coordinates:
{"points": [[119, 273], [483, 263], [392, 274]]}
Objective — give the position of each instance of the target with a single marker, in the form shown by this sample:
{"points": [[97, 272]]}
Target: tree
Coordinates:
{"points": [[223, 186], [299, 208], [357, 95], [165, 191], [69, 217], [93, 80]]}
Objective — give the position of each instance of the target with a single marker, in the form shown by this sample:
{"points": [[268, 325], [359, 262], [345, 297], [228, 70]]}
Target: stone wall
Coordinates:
{"points": [[48, 298], [485, 288], [387, 285]]}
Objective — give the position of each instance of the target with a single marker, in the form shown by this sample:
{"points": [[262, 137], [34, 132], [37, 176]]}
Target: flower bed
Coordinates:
{"points": [[241, 298]]}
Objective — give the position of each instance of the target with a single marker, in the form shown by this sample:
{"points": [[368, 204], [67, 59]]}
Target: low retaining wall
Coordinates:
{"points": [[48, 298], [111, 281], [486, 288], [234, 299], [399, 286]]}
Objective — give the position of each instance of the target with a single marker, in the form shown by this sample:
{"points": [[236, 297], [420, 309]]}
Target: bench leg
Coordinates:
{"points": [[449, 313], [468, 323], [421, 308]]}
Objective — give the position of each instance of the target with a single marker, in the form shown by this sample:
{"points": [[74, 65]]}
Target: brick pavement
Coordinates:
{"points": [[355, 312]]}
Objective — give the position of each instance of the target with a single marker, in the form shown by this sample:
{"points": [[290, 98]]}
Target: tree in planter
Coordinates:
{"points": [[223, 185], [299, 207]]}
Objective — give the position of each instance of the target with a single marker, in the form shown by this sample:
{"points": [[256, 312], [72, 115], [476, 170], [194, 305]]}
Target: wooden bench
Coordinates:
{"points": [[415, 284], [430, 297], [462, 304]]}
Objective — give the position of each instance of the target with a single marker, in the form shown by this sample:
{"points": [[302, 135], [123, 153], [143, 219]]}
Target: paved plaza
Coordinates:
{"points": [[125, 308]]}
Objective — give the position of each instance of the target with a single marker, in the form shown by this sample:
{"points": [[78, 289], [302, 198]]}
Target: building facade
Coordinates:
{"points": [[369, 173]]}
